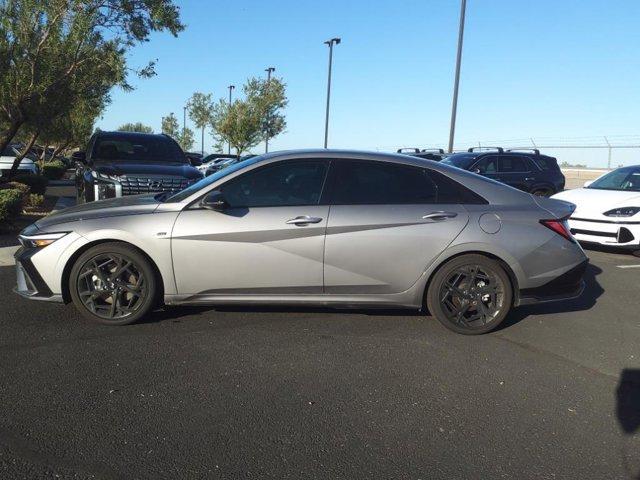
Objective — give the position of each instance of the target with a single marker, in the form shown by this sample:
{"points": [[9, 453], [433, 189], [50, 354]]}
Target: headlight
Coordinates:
{"points": [[104, 176], [40, 240], [622, 212]]}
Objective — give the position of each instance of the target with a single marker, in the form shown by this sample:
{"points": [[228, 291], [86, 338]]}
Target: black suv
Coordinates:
{"points": [[126, 163], [526, 170], [435, 154]]}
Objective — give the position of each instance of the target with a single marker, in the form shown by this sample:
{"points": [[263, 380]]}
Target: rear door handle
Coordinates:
{"points": [[527, 179], [303, 220], [440, 216]]}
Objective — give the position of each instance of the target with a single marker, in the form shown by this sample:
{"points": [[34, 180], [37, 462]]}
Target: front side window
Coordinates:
{"points": [[283, 184], [372, 183], [512, 164], [487, 165]]}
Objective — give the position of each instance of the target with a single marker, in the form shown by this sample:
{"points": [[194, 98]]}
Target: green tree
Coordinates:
{"points": [[186, 139], [47, 48], [135, 127], [269, 98], [200, 108], [170, 126], [246, 122]]}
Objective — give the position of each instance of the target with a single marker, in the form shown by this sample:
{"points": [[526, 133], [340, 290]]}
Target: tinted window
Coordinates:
{"points": [[546, 163], [366, 183], [450, 191], [460, 160], [139, 148], [283, 184], [512, 164], [486, 165]]}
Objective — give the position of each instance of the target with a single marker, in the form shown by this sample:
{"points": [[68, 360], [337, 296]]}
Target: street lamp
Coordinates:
{"points": [[266, 136], [230, 87], [454, 106], [184, 121], [331, 43]]}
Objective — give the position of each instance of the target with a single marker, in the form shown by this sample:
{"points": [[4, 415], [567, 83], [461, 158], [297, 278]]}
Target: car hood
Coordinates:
{"points": [[591, 203], [146, 168], [129, 205]]}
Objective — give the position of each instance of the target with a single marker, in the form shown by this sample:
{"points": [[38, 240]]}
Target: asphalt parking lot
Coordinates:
{"points": [[264, 393]]}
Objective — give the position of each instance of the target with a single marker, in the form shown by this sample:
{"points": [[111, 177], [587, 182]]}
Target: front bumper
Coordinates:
{"points": [[568, 285], [29, 282], [623, 234]]}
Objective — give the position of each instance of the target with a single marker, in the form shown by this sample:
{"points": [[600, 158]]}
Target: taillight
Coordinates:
{"points": [[560, 227]]}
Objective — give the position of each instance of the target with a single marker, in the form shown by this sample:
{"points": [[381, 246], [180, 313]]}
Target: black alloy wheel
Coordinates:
{"points": [[113, 284], [470, 294]]}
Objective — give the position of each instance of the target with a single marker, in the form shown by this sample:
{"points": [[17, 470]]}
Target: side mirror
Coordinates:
{"points": [[587, 183], [214, 201], [79, 157], [476, 170]]}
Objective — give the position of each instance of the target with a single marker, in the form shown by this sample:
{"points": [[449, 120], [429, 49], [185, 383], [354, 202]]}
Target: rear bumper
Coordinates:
{"points": [[568, 285]]}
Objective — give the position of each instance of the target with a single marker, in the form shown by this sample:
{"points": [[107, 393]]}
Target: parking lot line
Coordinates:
{"points": [[635, 265]]}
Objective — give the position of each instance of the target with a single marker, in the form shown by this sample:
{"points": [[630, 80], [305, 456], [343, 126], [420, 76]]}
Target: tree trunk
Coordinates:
{"points": [[202, 143], [22, 154], [7, 136]]}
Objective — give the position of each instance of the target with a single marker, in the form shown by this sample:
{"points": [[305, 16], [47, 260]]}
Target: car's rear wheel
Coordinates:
{"points": [[114, 284], [470, 294], [542, 192]]}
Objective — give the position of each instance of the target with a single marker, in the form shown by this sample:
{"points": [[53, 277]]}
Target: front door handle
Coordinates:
{"points": [[440, 216], [303, 220], [528, 179]]}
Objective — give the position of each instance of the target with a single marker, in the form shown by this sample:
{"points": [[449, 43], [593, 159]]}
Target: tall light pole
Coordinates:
{"points": [[331, 43], [184, 121], [266, 133], [454, 106], [230, 87]]}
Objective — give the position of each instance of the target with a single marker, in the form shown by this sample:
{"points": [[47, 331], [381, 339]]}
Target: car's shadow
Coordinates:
{"points": [[628, 415], [587, 300], [612, 250], [592, 291]]}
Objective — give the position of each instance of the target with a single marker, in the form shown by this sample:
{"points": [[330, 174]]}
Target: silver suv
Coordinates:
{"points": [[320, 227]]}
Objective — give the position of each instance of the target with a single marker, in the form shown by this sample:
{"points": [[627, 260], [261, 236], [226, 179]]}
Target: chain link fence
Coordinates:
{"points": [[598, 152]]}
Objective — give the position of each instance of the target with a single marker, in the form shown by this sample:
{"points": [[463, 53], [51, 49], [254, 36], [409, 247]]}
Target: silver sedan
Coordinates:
{"points": [[313, 227]]}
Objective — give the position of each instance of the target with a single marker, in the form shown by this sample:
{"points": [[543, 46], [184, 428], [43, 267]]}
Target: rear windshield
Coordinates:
{"points": [[460, 160], [143, 148]]}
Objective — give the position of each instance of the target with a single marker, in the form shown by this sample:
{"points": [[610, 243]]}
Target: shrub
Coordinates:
{"points": [[24, 189], [33, 200], [37, 183], [54, 170], [10, 203]]}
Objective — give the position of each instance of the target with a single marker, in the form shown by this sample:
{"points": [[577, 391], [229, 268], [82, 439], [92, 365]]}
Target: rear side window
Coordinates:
{"points": [[546, 163], [380, 183], [512, 164]]}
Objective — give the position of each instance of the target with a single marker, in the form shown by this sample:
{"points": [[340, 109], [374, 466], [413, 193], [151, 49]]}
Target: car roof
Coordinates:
{"points": [[130, 135]]}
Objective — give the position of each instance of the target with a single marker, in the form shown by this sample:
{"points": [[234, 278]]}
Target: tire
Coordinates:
{"points": [[119, 300], [541, 192], [453, 290]]}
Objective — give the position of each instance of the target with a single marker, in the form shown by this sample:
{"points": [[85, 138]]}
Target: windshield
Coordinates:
{"points": [[206, 181], [460, 160], [138, 148], [626, 179]]}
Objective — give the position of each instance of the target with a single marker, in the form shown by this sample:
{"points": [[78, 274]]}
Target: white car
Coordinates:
{"points": [[27, 164], [607, 209]]}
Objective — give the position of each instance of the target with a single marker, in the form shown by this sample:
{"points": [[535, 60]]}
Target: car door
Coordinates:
{"points": [[514, 170], [386, 225], [268, 240]]}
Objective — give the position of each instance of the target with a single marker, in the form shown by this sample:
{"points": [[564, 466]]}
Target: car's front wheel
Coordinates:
{"points": [[113, 283], [470, 294]]}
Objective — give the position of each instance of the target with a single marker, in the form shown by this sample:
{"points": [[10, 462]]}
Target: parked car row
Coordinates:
{"points": [[29, 164]]}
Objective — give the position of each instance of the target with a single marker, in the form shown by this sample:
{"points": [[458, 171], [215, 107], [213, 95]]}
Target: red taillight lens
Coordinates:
{"points": [[560, 227]]}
